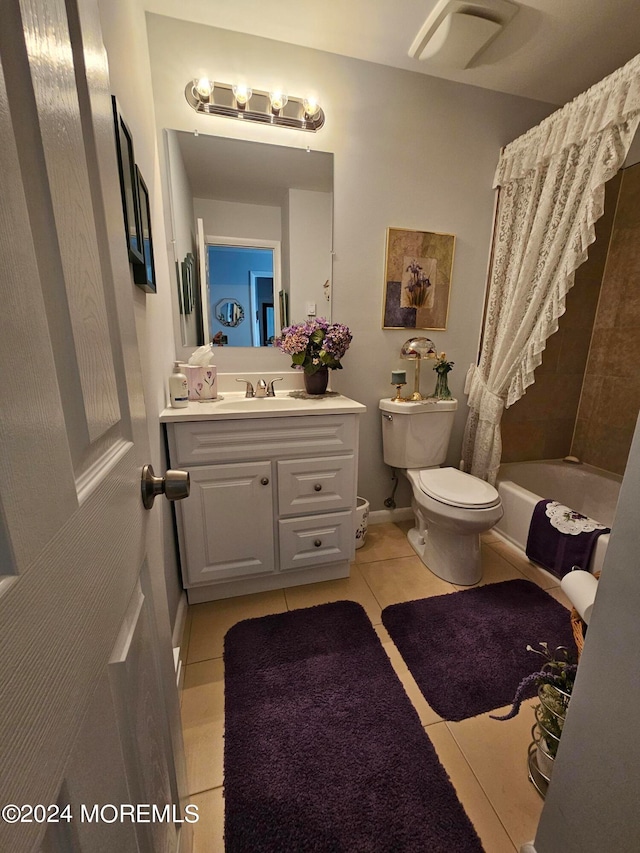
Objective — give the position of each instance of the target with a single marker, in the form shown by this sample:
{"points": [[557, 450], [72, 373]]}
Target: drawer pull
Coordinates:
{"points": [[317, 487], [318, 543], [265, 481]]}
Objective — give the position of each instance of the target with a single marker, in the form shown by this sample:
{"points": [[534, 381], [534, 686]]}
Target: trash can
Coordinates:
{"points": [[361, 521]]}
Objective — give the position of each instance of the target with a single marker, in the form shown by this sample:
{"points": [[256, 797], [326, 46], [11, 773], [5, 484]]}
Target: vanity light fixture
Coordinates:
{"points": [[311, 107], [204, 88], [242, 94], [241, 102], [278, 101]]}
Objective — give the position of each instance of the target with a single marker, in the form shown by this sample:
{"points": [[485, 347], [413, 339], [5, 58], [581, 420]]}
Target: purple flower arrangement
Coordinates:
{"points": [[558, 670], [315, 344]]}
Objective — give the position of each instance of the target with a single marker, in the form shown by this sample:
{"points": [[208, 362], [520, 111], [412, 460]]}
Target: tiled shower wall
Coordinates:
{"points": [[541, 424], [611, 392]]}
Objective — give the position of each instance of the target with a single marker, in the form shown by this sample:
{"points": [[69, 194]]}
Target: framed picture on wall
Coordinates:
{"points": [[417, 282], [144, 274], [128, 188]]}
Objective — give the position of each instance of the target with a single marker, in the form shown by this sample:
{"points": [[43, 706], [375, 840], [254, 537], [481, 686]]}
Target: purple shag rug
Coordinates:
{"points": [[324, 752], [468, 650]]}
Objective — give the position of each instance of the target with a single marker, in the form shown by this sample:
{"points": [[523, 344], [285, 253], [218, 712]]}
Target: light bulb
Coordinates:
{"points": [[311, 107], [242, 94], [204, 88], [278, 101]]}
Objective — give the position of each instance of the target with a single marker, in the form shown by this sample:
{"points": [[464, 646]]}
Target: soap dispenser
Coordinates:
{"points": [[178, 388]]}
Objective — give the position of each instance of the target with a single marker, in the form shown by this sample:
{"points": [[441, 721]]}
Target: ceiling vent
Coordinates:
{"points": [[456, 32]]}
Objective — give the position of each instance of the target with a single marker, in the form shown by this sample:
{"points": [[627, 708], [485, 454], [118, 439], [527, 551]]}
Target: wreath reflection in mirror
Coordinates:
{"points": [[229, 312]]}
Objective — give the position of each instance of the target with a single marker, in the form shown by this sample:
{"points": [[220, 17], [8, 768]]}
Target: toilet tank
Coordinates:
{"points": [[416, 434]]}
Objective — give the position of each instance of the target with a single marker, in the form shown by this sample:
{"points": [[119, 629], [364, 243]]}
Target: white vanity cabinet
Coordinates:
{"points": [[272, 499]]}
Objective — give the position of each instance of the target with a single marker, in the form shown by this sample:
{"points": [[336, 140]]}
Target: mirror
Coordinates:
{"points": [[229, 312], [271, 204]]}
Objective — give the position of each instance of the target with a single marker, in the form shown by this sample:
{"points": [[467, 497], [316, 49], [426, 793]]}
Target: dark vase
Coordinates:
{"points": [[316, 383], [442, 388]]}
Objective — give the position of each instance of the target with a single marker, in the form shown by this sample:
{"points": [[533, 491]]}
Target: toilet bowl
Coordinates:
{"points": [[451, 508]]}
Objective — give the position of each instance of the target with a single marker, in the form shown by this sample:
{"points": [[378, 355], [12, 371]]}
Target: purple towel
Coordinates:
{"points": [[560, 538]]}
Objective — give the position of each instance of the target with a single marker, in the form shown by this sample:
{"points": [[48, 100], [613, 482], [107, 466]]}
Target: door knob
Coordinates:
{"points": [[174, 486]]}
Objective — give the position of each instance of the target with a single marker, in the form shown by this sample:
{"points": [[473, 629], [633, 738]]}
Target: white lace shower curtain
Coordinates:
{"points": [[551, 183]]}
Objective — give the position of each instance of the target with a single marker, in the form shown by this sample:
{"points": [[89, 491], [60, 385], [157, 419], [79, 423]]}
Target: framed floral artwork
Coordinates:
{"points": [[417, 287]]}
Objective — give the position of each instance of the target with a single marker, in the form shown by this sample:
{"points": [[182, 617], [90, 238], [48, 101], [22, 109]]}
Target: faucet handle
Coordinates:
{"points": [[270, 391], [249, 391]]}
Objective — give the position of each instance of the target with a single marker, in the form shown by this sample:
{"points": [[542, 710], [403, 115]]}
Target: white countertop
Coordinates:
{"points": [[285, 404]]}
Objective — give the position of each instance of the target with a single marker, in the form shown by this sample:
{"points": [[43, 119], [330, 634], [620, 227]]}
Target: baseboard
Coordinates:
{"points": [[382, 516]]}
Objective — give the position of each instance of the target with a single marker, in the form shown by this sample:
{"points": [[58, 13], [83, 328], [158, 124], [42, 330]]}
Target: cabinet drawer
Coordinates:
{"points": [[316, 485], [316, 540], [204, 442]]}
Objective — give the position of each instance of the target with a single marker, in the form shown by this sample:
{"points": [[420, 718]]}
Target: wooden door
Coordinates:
{"points": [[88, 705]]}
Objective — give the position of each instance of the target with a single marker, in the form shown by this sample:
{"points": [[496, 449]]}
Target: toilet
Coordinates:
{"points": [[451, 508]]}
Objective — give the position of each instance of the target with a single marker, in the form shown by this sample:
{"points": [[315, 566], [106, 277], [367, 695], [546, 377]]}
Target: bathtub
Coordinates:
{"points": [[583, 488]]}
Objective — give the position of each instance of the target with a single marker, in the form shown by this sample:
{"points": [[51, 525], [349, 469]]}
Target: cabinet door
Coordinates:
{"points": [[227, 523]]}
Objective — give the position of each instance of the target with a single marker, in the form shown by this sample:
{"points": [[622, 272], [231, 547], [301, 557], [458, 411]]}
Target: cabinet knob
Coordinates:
{"points": [[265, 481], [318, 543], [318, 487]]}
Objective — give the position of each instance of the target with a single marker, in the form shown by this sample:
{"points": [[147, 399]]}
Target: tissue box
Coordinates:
{"points": [[203, 382]]}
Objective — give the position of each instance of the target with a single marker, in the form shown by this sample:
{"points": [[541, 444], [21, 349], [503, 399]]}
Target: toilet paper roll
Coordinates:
{"points": [[580, 588]]}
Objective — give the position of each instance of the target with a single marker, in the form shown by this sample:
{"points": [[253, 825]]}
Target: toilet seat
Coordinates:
{"points": [[455, 488]]}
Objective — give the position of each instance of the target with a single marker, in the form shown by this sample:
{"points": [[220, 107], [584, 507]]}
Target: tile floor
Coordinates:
{"points": [[485, 759]]}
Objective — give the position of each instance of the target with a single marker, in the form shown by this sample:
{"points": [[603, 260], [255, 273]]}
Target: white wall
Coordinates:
{"points": [[410, 151], [592, 802], [311, 241], [122, 25], [231, 219]]}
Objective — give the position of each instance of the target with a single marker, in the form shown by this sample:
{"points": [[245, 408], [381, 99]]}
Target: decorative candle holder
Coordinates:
{"points": [[399, 379], [399, 398]]}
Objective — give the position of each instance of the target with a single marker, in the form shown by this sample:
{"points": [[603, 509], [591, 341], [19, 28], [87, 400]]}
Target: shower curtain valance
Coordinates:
{"points": [[551, 183], [605, 105]]}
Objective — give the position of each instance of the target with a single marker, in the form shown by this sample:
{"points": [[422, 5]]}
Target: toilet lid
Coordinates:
{"points": [[453, 487]]}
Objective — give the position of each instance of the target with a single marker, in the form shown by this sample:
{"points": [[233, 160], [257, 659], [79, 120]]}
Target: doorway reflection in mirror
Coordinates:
{"points": [[240, 283]]}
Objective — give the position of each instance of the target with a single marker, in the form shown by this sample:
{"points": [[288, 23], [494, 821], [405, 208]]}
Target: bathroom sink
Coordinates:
{"points": [[261, 404], [230, 405]]}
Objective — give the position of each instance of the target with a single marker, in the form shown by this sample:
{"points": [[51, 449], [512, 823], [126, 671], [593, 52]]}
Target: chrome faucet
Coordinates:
{"points": [[249, 392], [263, 389], [270, 391]]}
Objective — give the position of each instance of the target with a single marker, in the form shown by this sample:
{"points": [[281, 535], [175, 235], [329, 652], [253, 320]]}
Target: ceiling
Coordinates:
{"points": [[251, 172], [551, 51]]}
